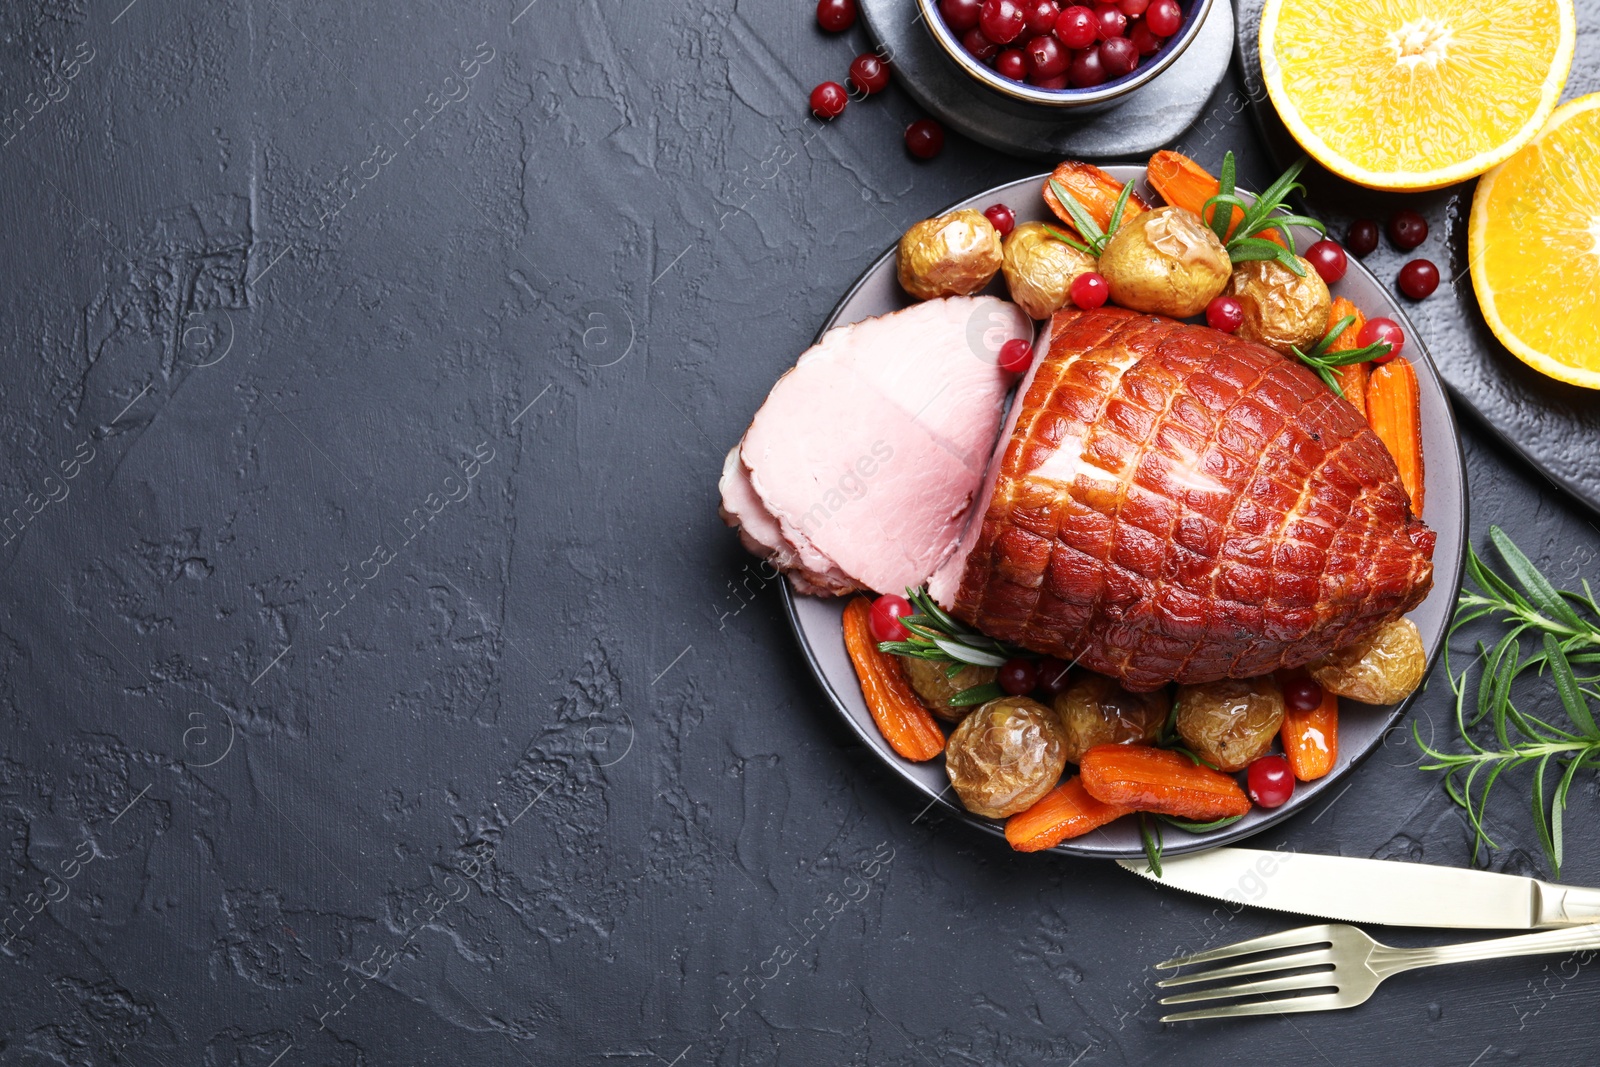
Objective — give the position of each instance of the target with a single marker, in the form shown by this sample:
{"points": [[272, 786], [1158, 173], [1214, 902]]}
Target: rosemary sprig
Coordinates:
{"points": [[1260, 216], [938, 637], [1323, 362], [1565, 630], [1094, 239]]}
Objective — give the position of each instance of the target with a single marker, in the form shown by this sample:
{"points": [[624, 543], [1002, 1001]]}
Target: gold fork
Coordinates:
{"points": [[1334, 966]]}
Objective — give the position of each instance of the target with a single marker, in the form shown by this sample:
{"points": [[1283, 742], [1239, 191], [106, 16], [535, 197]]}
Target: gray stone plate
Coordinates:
{"points": [[1361, 727]]}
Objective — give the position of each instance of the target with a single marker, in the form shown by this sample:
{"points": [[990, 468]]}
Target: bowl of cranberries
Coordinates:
{"points": [[1064, 53]]}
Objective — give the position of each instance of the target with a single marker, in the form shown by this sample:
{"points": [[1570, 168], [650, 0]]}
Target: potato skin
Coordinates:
{"points": [[1005, 755], [928, 679], [950, 255], [1165, 261], [1281, 310], [1095, 710], [1231, 722], [1384, 667], [1040, 268]]}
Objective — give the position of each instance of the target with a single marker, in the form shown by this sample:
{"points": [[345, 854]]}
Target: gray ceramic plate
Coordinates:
{"points": [[1361, 727]]}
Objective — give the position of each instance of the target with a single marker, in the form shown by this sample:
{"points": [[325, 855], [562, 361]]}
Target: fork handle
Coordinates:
{"points": [[1566, 905], [1566, 940]]}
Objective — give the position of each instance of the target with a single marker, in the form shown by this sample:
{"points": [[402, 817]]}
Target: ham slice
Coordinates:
{"points": [[861, 468]]}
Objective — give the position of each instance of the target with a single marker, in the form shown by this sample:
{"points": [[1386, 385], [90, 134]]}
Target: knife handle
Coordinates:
{"points": [[1566, 905]]}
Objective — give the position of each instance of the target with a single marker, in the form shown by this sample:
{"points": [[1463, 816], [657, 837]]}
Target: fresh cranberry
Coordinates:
{"points": [[1164, 17], [925, 138], [884, 618], [1086, 69], [1382, 330], [836, 16], [1118, 56], [1146, 42], [1329, 259], [1302, 694], [1362, 238], [975, 42], [1407, 229], [1133, 8], [1001, 218], [1419, 278], [1225, 313], [1109, 21], [1089, 290], [1046, 57], [1002, 21], [960, 15], [1016, 356], [869, 73], [1075, 27], [1018, 676], [1055, 676], [1059, 81], [1012, 63], [1042, 15], [828, 100], [1270, 781]]}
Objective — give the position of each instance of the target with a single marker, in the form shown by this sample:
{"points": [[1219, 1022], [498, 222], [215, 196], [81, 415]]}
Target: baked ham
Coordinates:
{"points": [[1173, 503], [861, 468]]}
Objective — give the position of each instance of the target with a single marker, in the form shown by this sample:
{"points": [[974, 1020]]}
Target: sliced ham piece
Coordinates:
{"points": [[861, 468]]}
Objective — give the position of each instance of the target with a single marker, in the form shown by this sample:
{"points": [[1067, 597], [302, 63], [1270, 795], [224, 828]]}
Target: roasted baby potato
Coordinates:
{"points": [[1039, 269], [1385, 666], [951, 255], [1005, 755], [1095, 710], [928, 678], [1281, 310], [1165, 261], [1231, 722]]}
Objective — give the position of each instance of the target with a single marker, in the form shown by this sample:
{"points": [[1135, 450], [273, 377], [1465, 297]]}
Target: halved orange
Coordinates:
{"points": [[1415, 94], [1533, 242]]}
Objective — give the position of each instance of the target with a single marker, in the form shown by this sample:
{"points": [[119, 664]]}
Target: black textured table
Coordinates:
{"points": [[379, 685]]}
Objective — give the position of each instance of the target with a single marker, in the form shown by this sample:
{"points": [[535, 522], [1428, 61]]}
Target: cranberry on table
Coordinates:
{"points": [[1076, 27], [960, 15], [1055, 676], [884, 618], [1086, 69], [828, 100], [1016, 356], [1109, 21], [1001, 218], [1012, 63], [1089, 290], [1163, 17], [1042, 16], [1407, 229], [1018, 676], [1046, 57], [1225, 313], [924, 138], [869, 73], [1329, 260], [1118, 56], [1302, 694], [1269, 781], [836, 16], [1382, 330], [1419, 278], [1002, 21], [1362, 237], [1146, 42], [975, 42]]}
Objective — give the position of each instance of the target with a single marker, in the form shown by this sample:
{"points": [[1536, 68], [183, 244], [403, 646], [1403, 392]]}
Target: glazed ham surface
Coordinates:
{"points": [[1173, 503]]}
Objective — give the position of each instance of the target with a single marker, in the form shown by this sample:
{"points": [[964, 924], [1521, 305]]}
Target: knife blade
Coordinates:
{"points": [[1387, 892]]}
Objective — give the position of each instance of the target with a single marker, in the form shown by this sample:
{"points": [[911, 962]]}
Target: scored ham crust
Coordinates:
{"points": [[1173, 503]]}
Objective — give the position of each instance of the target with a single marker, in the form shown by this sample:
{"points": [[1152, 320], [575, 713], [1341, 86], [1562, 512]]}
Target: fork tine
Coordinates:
{"points": [[1305, 936], [1323, 1002], [1271, 963], [1314, 980]]}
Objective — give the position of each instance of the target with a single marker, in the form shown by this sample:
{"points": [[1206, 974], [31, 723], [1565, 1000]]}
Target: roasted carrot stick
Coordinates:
{"points": [[1394, 410], [1092, 187], [1066, 811], [902, 718], [1184, 183], [1310, 738], [1352, 379], [1159, 780]]}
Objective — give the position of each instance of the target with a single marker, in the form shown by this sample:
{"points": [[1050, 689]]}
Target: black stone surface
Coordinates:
{"points": [[379, 685]]}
